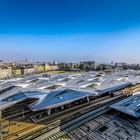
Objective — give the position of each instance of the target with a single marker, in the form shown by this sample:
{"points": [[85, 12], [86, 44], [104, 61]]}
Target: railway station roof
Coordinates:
{"points": [[5, 85], [112, 88], [29, 79], [77, 87], [59, 98], [130, 105], [44, 101], [59, 77]]}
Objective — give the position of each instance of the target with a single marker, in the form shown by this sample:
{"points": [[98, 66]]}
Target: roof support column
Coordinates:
{"points": [[70, 104], [62, 107], [87, 99], [49, 112]]}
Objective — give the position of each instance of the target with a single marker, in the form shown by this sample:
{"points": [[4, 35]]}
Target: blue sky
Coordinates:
{"points": [[70, 30]]}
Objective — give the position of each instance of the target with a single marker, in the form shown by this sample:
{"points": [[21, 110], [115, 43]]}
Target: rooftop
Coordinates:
{"points": [[130, 105], [77, 87]]}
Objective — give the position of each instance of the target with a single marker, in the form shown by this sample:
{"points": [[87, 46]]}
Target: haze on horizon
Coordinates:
{"points": [[70, 30]]}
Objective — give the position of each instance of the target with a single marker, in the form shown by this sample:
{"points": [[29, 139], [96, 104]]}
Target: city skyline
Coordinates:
{"points": [[75, 30]]}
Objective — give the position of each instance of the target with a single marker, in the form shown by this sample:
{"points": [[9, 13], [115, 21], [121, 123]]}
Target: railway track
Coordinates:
{"points": [[52, 121], [66, 112], [56, 120], [78, 122]]}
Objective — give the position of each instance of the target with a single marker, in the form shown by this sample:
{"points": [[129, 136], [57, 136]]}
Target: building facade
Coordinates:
{"points": [[5, 72], [88, 65], [16, 72], [51, 67]]}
